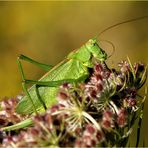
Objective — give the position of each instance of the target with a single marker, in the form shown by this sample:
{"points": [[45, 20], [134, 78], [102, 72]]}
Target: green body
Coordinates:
{"points": [[75, 67]]}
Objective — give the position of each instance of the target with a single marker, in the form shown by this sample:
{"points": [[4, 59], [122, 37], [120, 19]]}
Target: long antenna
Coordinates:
{"points": [[124, 22]]}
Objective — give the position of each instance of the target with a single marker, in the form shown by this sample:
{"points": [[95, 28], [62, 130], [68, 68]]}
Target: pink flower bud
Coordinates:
{"points": [[98, 77], [62, 95], [106, 124], [90, 129], [99, 136], [131, 102], [107, 115], [98, 68], [122, 118]]}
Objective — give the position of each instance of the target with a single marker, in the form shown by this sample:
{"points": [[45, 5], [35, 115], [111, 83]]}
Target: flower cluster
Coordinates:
{"points": [[99, 112], [44, 132], [8, 115]]}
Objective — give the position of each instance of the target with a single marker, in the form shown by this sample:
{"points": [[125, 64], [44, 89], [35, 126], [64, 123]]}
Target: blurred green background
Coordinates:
{"points": [[48, 31]]}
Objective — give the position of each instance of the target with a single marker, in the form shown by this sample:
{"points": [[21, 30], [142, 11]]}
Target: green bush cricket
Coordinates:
{"points": [[74, 68]]}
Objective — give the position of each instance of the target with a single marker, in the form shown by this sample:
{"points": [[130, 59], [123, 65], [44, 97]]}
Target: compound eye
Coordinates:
{"points": [[91, 43]]}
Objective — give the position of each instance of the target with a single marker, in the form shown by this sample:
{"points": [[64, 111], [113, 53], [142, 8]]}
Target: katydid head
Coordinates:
{"points": [[96, 51], [93, 46]]}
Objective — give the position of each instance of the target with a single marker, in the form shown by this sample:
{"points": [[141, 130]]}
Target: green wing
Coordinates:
{"points": [[68, 69]]}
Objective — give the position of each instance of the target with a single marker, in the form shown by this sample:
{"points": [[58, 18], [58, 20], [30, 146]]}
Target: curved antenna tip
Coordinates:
{"points": [[123, 22]]}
